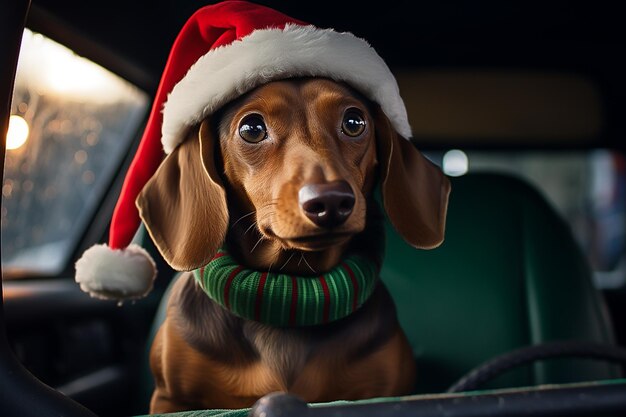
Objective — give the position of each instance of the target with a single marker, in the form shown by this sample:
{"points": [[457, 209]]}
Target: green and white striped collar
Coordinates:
{"points": [[286, 300]]}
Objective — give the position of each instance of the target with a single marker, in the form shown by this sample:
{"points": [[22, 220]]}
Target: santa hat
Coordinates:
{"points": [[223, 51]]}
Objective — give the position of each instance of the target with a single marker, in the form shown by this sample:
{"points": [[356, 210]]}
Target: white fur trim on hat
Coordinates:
{"points": [[116, 274], [226, 72]]}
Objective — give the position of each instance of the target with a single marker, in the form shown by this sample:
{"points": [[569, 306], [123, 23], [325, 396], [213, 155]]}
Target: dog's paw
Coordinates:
{"points": [[116, 274]]}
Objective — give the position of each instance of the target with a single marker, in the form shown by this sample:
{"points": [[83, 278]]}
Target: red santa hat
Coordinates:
{"points": [[223, 51]]}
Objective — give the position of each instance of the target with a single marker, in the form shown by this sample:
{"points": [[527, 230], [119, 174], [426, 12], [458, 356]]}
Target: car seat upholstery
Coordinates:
{"points": [[509, 274]]}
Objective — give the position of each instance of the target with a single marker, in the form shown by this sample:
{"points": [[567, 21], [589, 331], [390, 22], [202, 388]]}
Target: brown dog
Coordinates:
{"points": [[284, 176]]}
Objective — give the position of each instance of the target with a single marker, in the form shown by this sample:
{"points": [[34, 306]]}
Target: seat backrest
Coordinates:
{"points": [[508, 274]]}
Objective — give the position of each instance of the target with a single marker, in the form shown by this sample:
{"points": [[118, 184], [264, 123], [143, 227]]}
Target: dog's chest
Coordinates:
{"points": [[287, 353]]}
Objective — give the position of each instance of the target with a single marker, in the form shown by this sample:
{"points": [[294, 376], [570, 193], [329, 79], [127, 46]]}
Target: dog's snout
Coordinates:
{"points": [[327, 205]]}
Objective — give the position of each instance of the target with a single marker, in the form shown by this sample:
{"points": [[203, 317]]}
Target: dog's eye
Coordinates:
{"points": [[252, 129], [353, 123]]}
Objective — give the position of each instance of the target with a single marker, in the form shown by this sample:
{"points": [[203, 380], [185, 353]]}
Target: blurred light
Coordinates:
{"points": [[17, 133], [7, 190], [89, 177], [76, 77], [80, 157], [603, 178], [48, 67], [455, 163]]}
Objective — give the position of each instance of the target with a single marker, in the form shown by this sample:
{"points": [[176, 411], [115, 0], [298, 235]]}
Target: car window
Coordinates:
{"points": [[588, 188], [72, 122], [71, 125]]}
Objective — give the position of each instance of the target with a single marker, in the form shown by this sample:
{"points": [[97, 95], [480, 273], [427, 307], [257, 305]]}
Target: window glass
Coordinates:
{"points": [[588, 188], [71, 125]]}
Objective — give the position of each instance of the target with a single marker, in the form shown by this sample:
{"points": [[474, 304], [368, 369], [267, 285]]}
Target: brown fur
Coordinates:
{"points": [[209, 190]]}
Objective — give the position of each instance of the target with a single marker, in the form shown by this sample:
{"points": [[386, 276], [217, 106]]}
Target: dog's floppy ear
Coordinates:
{"points": [[415, 191], [184, 204]]}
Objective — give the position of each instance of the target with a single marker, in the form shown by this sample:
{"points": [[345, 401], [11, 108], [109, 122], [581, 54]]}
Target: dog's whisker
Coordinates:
{"points": [[256, 222], [252, 226], [275, 257], [270, 204], [285, 264], [307, 264], [257, 243], [243, 217]]}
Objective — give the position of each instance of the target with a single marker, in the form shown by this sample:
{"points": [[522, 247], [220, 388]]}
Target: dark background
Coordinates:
{"points": [[133, 37]]}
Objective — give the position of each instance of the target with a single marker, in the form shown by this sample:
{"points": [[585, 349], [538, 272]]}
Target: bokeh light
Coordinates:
{"points": [[18, 131], [455, 163]]}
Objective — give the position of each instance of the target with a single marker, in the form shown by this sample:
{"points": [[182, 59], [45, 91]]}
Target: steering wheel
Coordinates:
{"points": [[549, 350]]}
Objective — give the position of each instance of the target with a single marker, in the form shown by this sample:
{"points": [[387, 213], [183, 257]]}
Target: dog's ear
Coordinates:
{"points": [[415, 191], [184, 204]]}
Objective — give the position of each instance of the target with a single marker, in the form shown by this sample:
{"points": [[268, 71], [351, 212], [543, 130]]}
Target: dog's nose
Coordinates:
{"points": [[327, 205]]}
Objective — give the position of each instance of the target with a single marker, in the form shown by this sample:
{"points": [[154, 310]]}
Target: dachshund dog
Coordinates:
{"points": [[284, 178]]}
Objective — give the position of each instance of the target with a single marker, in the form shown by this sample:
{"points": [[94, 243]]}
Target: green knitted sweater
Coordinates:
{"points": [[287, 300]]}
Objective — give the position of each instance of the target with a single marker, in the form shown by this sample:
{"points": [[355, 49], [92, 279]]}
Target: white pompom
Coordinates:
{"points": [[116, 274]]}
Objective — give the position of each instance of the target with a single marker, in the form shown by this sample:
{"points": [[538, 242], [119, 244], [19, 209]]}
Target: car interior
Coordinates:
{"points": [[522, 309]]}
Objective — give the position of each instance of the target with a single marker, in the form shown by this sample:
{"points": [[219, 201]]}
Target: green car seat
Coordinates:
{"points": [[509, 274]]}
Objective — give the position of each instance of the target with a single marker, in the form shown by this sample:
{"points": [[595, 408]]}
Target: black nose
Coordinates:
{"points": [[327, 205]]}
